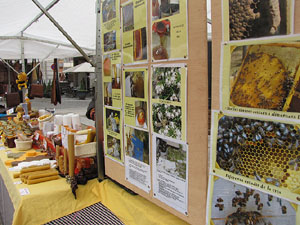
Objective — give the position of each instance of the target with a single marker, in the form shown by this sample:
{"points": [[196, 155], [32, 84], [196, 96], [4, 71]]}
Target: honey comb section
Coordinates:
{"points": [[266, 151]]}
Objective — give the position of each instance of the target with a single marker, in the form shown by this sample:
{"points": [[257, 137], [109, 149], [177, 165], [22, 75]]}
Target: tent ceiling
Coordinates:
{"points": [[77, 17]]}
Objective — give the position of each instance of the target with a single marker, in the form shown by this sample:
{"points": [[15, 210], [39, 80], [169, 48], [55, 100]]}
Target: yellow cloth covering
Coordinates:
{"points": [[53, 199], [48, 200], [133, 209]]}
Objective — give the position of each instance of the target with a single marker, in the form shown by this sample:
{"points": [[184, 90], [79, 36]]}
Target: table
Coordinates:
{"points": [[45, 202]]}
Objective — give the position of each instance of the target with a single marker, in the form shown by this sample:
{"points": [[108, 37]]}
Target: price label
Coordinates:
{"points": [[2, 148], [18, 182], [45, 144], [24, 191], [10, 111]]}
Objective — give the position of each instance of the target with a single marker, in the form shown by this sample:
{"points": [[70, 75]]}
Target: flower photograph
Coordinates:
{"points": [[167, 120], [166, 82]]}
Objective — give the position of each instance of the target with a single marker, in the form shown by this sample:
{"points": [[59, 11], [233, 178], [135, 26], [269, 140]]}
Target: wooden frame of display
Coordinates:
{"points": [[197, 117]]}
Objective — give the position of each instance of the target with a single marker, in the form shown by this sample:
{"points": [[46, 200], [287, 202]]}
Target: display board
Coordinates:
{"points": [[155, 90], [254, 153]]}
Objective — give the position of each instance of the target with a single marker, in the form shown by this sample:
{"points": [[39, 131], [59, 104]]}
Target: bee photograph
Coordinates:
{"points": [[233, 204], [113, 147], [265, 76], [266, 151], [258, 18], [112, 120]]}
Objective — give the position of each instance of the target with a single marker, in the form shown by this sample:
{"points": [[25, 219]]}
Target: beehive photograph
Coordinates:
{"points": [[258, 18], [266, 151], [233, 204], [265, 76]]}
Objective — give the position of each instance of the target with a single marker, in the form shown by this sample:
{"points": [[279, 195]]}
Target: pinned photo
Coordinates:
{"points": [[113, 147], [107, 65], [161, 40], [267, 151], [141, 114], [128, 17], [140, 44], [253, 19], [137, 144], [167, 120], [107, 93], [108, 10], [171, 158], [110, 41], [235, 204], [166, 83], [164, 8], [265, 76], [134, 84], [116, 77], [113, 120]]}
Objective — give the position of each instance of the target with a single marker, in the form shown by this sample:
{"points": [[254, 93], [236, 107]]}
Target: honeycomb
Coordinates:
{"points": [[261, 150], [263, 82], [255, 18]]}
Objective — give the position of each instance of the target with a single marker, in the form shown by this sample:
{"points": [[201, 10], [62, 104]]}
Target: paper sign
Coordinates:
{"points": [[10, 111], [24, 191]]}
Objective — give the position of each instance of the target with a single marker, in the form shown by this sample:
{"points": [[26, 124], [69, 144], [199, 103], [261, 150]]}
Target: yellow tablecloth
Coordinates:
{"points": [[133, 209], [47, 201]]}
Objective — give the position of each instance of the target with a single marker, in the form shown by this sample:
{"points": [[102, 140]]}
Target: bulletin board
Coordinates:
{"points": [[182, 63], [235, 185]]}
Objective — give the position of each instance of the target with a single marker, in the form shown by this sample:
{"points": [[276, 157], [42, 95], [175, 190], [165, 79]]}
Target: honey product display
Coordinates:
{"points": [[262, 150], [268, 77]]}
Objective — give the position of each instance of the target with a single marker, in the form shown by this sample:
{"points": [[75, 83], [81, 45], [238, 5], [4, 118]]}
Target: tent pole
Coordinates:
{"points": [[99, 99], [22, 54], [9, 66], [63, 32], [9, 86], [40, 14]]}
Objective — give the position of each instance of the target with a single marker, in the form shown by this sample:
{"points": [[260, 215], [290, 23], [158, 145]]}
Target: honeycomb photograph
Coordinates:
{"points": [[258, 18], [234, 204], [266, 76], [261, 150]]}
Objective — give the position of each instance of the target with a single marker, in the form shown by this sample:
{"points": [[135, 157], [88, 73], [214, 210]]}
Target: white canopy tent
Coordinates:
{"points": [[76, 17], [81, 68]]}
